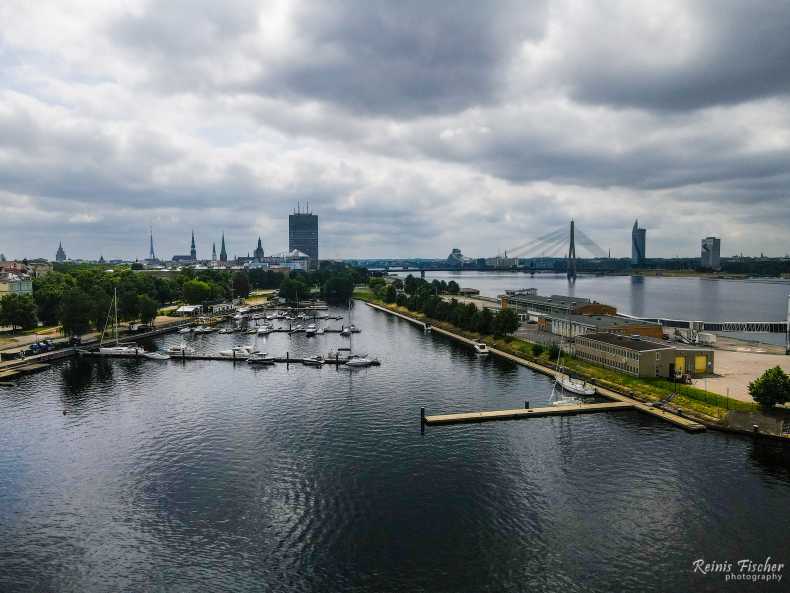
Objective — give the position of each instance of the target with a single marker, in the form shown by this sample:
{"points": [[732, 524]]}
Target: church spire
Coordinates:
{"points": [[192, 250], [214, 251], [223, 254], [151, 254], [259, 251]]}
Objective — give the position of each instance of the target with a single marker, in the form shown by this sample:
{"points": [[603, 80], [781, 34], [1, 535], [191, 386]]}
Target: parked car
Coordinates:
{"points": [[41, 347]]}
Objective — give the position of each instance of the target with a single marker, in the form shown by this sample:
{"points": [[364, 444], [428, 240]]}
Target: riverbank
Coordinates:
{"points": [[710, 409]]}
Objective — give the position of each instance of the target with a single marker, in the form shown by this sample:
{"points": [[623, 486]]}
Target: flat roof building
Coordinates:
{"points": [[643, 357], [528, 301], [303, 234], [571, 326], [710, 256]]}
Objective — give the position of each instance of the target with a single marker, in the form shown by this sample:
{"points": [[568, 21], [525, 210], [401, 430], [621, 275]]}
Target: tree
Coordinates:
{"points": [[196, 292], [241, 284], [148, 308], [18, 310], [128, 304], [338, 289], [76, 312], [100, 308], [390, 294], [48, 293], [452, 287], [771, 388], [293, 289], [506, 322]]}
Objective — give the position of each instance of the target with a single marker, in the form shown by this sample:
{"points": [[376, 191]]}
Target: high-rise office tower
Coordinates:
{"points": [[303, 233], [710, 258], [638, 241]]}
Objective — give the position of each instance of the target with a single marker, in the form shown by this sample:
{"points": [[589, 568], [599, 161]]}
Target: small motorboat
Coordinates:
{"points": [[345, 331], [227, 330], [185, 330], [238, 352], [313, 361], [576, 386], [181, 349], [320, 331], [310, 330], [156, 355], [361, 361], [264, 330], [260, 358], [481, 348]]}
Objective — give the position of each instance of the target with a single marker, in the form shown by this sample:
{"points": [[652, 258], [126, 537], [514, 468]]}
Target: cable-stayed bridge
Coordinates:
{"points": [[560, 242]]}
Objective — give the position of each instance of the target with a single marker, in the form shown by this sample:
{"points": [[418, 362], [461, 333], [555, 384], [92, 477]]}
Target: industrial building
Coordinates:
{"points": [[572, 326], [710, 257], [644, 357], [528, 301], [303, 234], [638, 245]]}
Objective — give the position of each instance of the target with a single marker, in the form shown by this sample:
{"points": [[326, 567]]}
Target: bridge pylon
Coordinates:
{"points": [[571, 263]]}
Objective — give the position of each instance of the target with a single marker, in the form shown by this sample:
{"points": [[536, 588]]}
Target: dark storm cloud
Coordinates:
{"points": [[737, 51], [409, 126]]}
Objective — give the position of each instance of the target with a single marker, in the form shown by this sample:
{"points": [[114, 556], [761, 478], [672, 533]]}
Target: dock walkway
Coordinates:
{"points": [[518, 414]]}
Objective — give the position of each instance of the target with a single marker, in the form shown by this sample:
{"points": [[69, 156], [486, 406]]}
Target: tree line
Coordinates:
{"points": [[419, 295], [78, 296]]}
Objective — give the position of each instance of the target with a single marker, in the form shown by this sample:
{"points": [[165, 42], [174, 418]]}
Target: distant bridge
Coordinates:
{"points": [[557, 243]]}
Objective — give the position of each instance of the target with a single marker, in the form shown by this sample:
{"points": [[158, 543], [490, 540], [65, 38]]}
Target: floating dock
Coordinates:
{"points": [[22, 370], [178, 357], [519, 414]]}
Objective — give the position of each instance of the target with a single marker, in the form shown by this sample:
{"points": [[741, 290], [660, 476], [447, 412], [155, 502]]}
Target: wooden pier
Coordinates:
{"points": [[519, 414], [22, 370]]}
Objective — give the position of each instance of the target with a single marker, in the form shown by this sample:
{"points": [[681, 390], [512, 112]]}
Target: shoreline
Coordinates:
{"points": [[622, 393]]}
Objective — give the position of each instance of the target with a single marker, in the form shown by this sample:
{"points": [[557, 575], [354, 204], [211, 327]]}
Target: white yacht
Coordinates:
{"points": [[314, 361], [156, 355], [481, 348], [361, 361], [260, 358], [576, 386], [238, 352], [181, 349]]}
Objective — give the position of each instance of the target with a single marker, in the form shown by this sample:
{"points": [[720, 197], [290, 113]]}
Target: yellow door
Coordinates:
{"points": [[700, 364], [680, 365]]}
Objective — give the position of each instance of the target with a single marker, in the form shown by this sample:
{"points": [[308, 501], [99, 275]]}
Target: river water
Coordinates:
{"points": [[693, 298], [210, 475]]}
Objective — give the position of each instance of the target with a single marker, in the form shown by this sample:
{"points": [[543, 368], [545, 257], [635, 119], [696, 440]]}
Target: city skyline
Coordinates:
{"points": [[405, 140]]}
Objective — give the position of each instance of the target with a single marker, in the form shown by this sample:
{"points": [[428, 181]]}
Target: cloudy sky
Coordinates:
{"points": [[411, 127]]}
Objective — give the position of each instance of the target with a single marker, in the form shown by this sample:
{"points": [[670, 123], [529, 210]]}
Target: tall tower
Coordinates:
{"points": [[223, 254], [572, 255], [60, 255], [259, 251], [303, 233], [638, 241], [151, 254], [192, 250], [213, 252]]}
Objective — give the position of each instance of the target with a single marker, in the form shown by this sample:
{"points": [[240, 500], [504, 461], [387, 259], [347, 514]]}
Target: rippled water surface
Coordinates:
{"points": [[183, 476]]}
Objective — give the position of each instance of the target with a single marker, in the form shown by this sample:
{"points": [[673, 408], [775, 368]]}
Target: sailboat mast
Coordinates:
{"points": [[115, 301]]}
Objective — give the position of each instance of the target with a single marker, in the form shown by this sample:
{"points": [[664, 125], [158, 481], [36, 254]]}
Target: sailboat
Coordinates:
{"points": [[565, 381], [116, 350], [357, 360]]}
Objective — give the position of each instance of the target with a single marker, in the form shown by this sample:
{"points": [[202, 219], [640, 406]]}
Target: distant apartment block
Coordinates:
{"points": [[11, 283], [710, 257]]}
